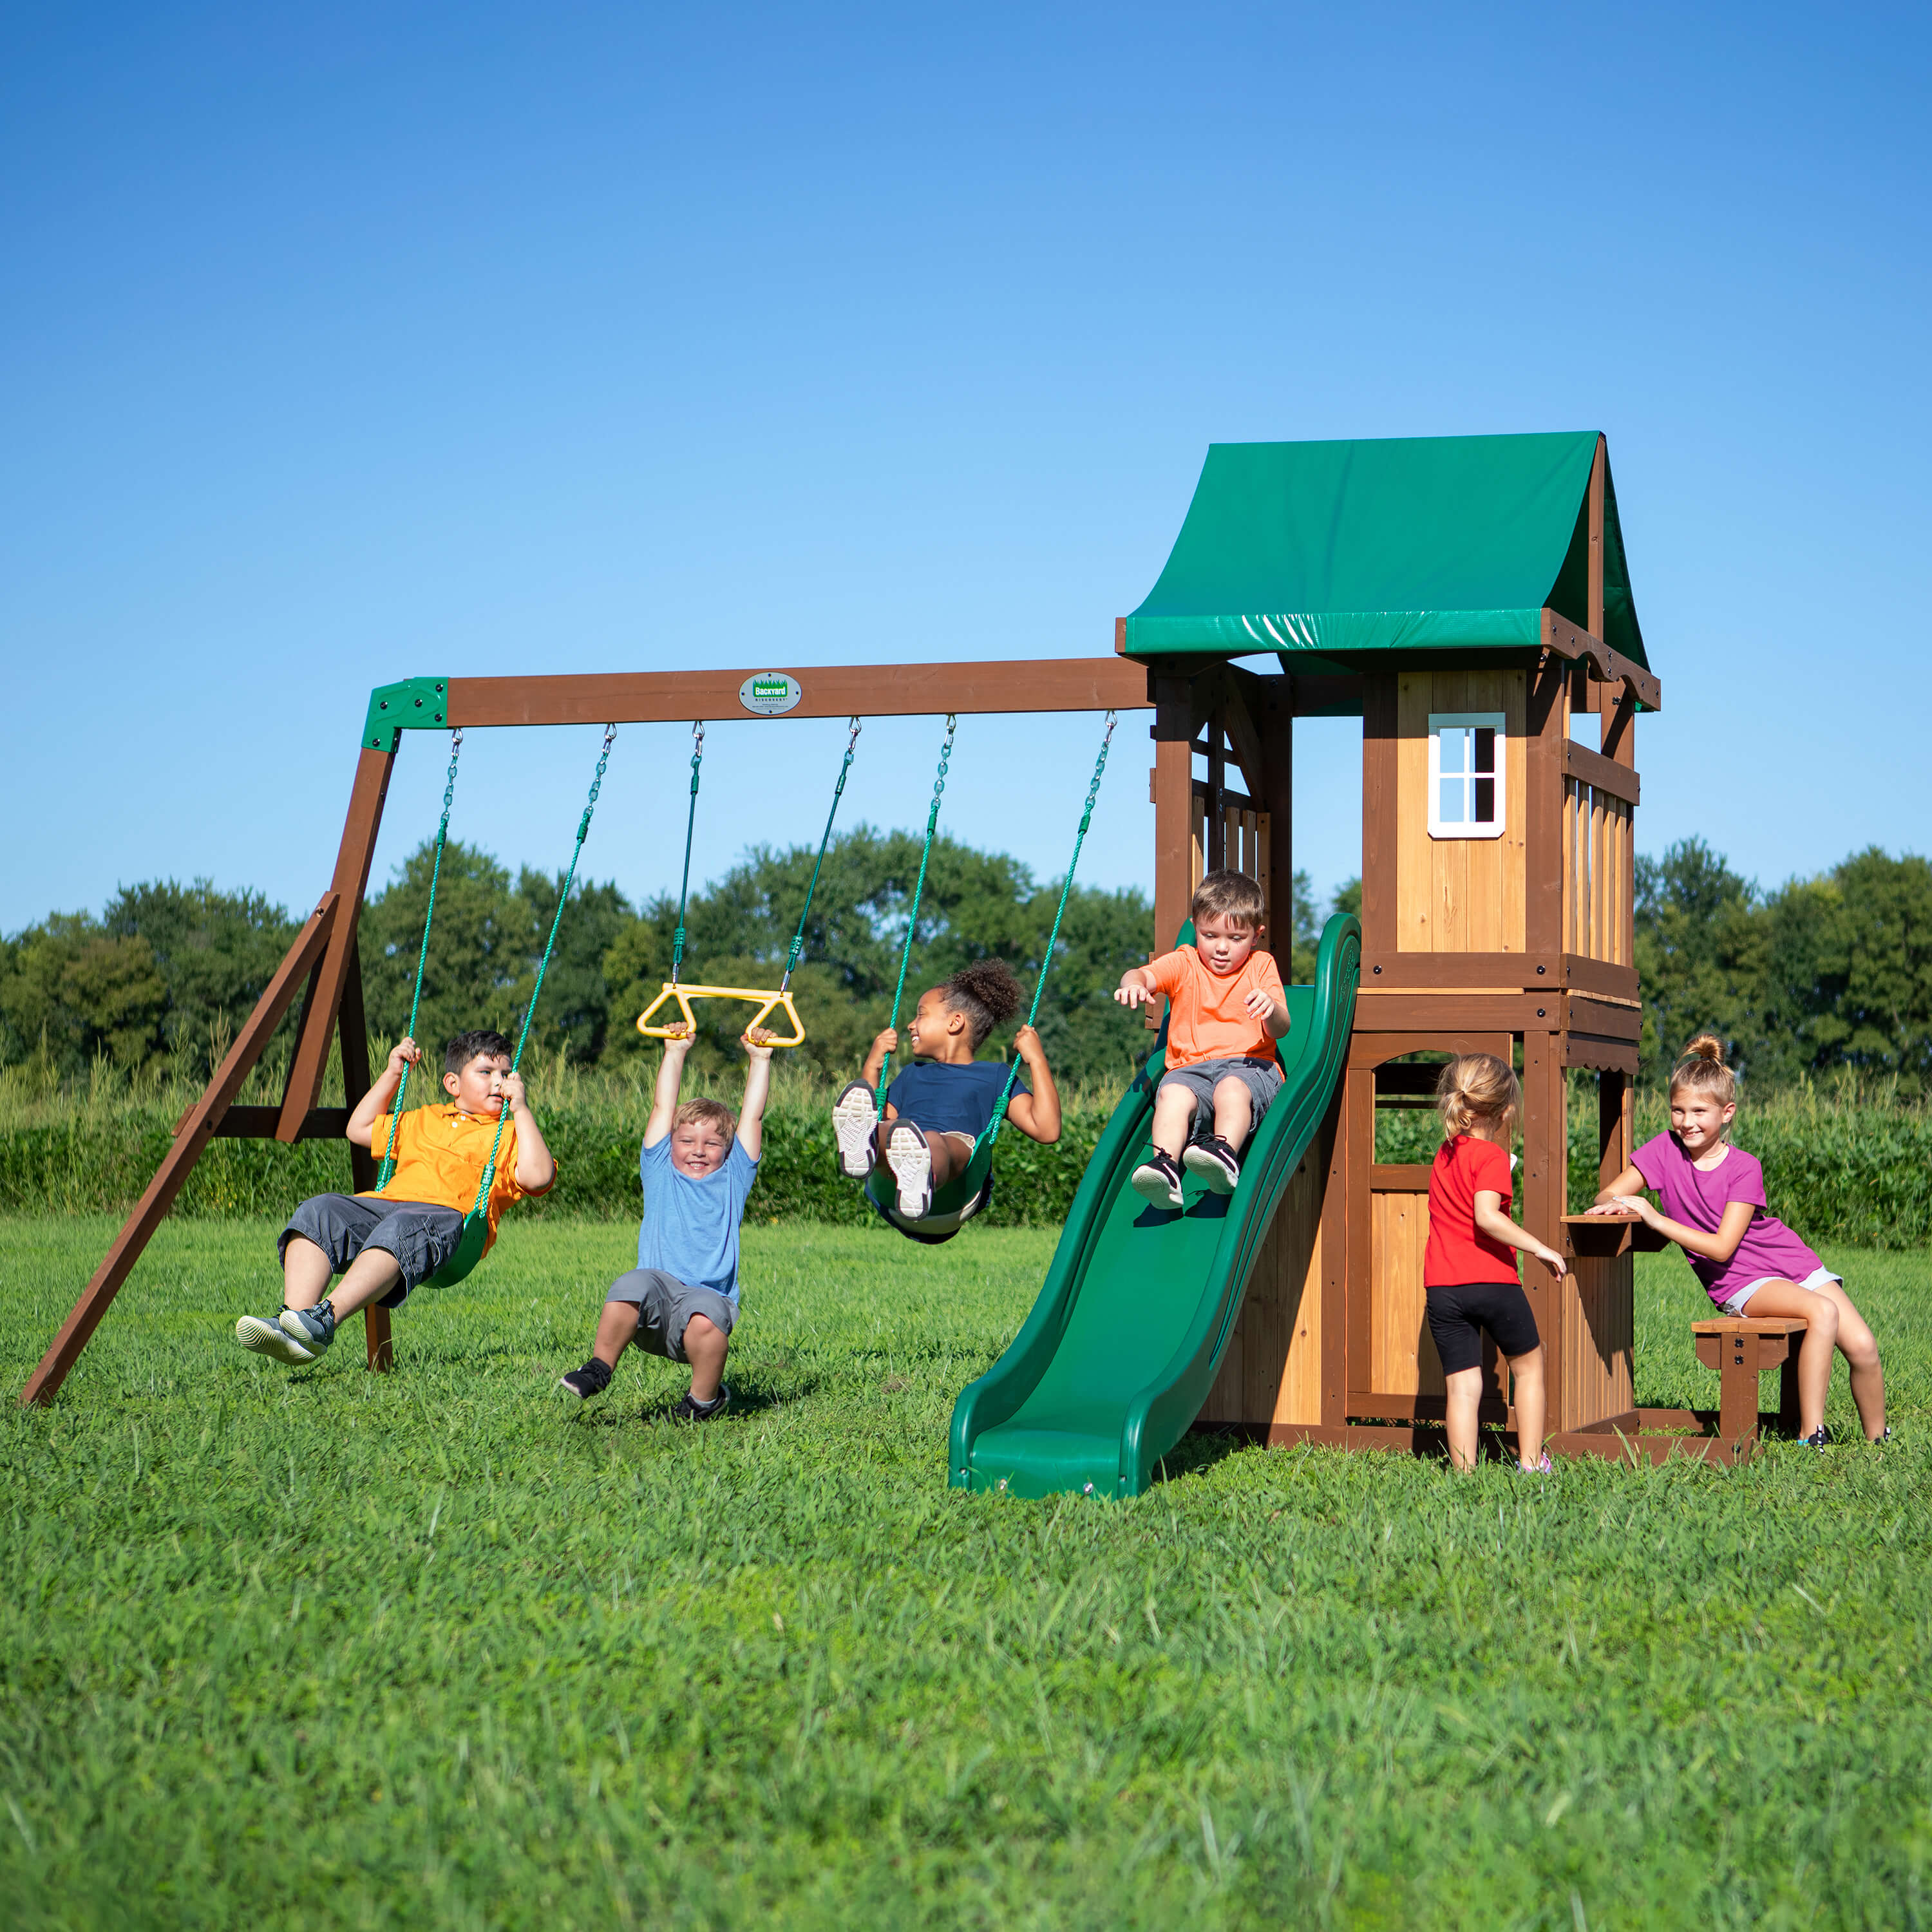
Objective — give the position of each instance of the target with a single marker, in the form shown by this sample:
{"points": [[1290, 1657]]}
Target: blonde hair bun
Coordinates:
{"points": [[1700, 1069]]}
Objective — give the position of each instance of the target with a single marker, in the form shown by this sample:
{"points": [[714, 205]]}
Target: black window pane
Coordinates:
{"points": [[1485, 749], [1486, 801]]}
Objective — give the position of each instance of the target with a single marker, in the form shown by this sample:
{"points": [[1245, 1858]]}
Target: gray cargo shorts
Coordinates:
{"points": [[665, 1305], [420, 1235], [1262, 1078]]}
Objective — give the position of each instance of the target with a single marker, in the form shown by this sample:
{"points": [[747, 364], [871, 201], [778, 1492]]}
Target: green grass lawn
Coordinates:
{"points": [[321, 1648]]}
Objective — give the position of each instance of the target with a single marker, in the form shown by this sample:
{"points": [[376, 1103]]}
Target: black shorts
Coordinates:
{"points": [[1457, 1314]]}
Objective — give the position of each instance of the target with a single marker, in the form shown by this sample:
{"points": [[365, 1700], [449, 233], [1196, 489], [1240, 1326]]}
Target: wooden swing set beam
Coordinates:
{"points": [[828, 691]]}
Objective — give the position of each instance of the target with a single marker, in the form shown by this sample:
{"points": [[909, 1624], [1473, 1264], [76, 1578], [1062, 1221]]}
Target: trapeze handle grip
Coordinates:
{"points": [[768, 1003]]}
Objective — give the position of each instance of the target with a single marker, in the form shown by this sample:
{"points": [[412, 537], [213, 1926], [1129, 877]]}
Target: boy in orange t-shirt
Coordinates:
{"points": [[1226, 1013], [384, 1244]]}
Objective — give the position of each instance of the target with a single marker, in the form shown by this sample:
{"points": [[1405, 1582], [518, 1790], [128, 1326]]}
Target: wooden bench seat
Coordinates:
{"points": [[1740, 1349]]}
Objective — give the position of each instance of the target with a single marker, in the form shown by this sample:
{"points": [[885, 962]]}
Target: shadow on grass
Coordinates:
{"points": [[616, 1411]]}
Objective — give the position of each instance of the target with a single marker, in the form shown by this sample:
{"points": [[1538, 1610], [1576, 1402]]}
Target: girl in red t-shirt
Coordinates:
{"points": [[1468, 1267]]}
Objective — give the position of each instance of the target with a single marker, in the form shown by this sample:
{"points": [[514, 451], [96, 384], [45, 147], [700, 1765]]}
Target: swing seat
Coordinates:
{"points": [[469, 1252], [967, 1193], [684, 995]]}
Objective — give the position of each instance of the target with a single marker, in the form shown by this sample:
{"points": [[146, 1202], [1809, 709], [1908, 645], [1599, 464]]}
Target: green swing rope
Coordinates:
{"points": [[838, 793], [543, 964], [422, 956], [918, 891], [1053, 938], [690, 826]]}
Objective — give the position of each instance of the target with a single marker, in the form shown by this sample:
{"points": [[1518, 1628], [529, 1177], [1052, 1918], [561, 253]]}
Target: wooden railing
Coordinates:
{"points": [[1599, 873], [1243, 835]]}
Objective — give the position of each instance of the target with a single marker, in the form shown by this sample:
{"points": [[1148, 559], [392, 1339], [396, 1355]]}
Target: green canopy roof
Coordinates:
{"points": [[1412, 543]]}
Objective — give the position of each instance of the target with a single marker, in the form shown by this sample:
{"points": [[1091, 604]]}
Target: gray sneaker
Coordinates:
{"points": [[311, 1328], [855, 1116], [909, 1155], [268, 1338]]}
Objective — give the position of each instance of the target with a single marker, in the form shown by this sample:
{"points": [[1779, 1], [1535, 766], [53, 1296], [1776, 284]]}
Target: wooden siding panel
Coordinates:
{"points": [[1403, 1357], [1272, 1370]]}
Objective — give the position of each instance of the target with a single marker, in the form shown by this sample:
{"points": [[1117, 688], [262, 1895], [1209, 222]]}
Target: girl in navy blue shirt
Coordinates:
{"points": [[938, 1106]]}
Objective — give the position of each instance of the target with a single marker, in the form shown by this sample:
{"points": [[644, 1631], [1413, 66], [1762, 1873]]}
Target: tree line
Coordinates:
{"points": [[1811, 977]]}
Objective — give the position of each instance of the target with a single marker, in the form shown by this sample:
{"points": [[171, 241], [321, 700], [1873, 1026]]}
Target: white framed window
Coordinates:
{"points": [[1465, 775]]}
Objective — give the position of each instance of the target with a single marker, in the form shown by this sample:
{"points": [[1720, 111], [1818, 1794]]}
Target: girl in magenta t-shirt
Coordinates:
{"points": [[1469, 1266], [1750, 1262]]}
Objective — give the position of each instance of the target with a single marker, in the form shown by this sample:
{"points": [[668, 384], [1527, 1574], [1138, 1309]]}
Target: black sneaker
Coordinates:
{"points": [[1820, 1437], [1215, 1161], [688, 1411], [589, 1382], [1157, 1180]]}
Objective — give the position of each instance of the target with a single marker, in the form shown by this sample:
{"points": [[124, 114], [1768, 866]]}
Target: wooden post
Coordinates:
{"points": [[1545, 1181], [1173, 839], [1615, 1096], [1276, 798], [309, 1060], [1547, 729], [1216, 852], [1378, 814], [178, 1162]]}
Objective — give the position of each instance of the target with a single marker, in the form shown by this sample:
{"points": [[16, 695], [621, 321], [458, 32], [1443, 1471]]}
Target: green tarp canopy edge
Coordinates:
{"points": [[1402, 544]]}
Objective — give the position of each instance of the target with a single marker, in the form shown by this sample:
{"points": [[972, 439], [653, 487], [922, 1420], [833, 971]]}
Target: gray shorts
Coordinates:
{"points": [[1262, 1078], [420, 1235], [665, 1305]]}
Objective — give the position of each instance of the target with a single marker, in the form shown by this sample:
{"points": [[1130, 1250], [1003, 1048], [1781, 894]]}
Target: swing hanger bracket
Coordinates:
{"points": [[416, 704]]}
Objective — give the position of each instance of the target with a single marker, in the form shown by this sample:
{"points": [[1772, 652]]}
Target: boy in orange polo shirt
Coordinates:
{"points": [[1226, 1013], [383, 1245]]}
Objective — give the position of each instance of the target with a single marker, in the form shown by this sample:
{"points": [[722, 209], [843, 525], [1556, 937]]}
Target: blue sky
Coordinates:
{"points": [[339, 345]]}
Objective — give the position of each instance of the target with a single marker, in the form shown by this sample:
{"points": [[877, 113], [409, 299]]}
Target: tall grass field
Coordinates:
{"points": [[322, 1648], [1849, 1163]]}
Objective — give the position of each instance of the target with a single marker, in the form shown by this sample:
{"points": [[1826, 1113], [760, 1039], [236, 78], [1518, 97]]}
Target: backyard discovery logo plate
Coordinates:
{"points": [[769, 692]]}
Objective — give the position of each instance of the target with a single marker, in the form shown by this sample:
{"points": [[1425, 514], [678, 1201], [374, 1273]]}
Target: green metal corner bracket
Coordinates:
{"points": [[417, 703]]}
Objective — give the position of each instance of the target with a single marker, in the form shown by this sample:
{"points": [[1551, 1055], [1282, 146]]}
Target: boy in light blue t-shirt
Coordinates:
{"points": [[681, 1301]]}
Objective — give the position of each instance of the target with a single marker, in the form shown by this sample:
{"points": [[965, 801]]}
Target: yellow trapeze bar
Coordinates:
{"points": [[684, 995]]}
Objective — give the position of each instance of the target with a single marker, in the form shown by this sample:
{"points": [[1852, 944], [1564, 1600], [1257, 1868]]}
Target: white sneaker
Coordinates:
{"points": [[855, 1114], [269, 1339], [910, 1159]]}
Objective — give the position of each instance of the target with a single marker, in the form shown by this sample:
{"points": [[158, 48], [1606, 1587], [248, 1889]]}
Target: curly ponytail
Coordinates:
{"points": [[987, 993], [1476, 1087]]}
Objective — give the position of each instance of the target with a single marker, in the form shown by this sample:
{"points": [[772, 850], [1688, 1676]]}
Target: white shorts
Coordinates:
{"points": [[1814, 1281]]}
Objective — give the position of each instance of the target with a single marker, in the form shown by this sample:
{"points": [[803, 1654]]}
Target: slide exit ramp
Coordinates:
{"points": [[1113, 1364]]}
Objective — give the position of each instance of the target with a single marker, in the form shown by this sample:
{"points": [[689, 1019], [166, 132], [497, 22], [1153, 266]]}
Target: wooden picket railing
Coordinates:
{"points": [[1244, 834], [1599, 873]]}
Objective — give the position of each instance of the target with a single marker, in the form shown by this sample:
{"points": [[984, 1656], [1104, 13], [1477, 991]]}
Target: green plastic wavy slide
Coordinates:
{"points": [[1113, 1364]]}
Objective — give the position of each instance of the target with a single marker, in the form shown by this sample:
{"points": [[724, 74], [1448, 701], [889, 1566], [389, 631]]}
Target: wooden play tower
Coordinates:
{"points": [[1468, 599]]}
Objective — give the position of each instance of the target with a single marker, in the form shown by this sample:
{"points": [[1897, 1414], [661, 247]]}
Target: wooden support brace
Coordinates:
{"points": [[189, 1144], [309, 1060]]}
